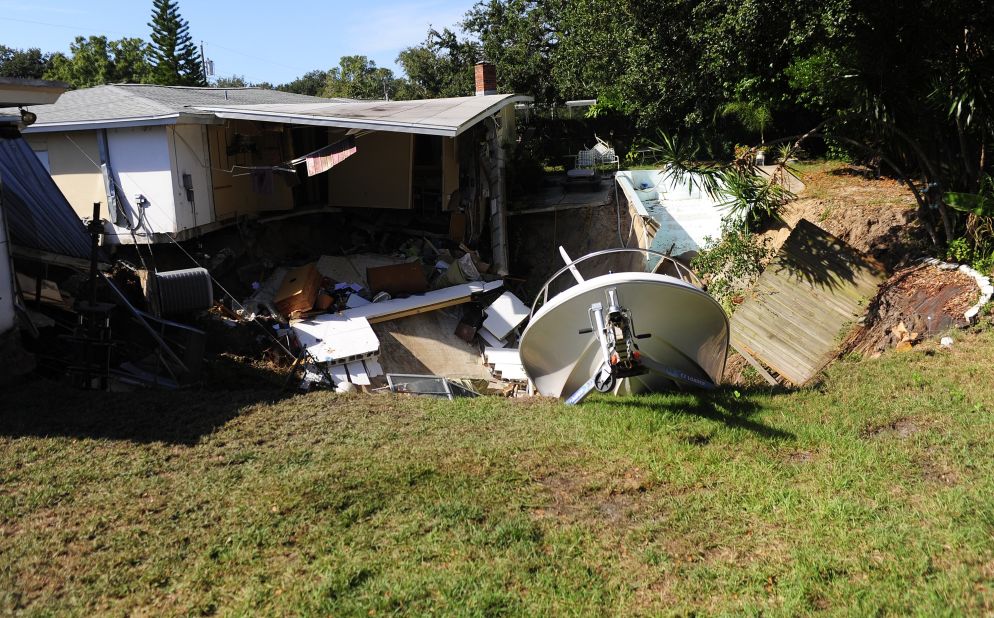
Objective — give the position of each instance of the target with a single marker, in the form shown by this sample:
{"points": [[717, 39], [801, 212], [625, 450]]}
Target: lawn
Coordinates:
{"points": [[870, 493]]}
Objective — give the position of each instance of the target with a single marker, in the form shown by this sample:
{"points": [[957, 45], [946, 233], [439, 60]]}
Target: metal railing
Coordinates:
{"points": [[683, 273]]}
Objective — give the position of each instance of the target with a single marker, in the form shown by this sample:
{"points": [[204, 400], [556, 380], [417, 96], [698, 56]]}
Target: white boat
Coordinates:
{"points": [[624, 332]]}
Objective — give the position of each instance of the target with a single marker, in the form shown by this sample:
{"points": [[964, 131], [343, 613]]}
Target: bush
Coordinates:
{"points": [[730, 264]]}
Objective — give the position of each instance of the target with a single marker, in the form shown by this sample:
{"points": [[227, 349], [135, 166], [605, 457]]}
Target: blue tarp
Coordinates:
{"points": [[38, 215]]}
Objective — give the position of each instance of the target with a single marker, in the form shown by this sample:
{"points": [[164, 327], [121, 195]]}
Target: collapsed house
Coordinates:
{"points": [[178, 162], [154, 166]]}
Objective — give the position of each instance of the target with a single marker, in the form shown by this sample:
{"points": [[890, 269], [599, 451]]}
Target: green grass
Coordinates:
{"points": [[871, 493]]}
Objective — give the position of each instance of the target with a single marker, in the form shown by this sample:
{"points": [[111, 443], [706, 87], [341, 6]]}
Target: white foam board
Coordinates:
{"points": [[490, 338], [357, 373], [505, 314], [337, 339]]}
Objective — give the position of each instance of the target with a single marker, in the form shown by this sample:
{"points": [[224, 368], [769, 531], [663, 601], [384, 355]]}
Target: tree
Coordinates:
{"points": [[94, 61], [441, 66], [520, 38], [22, 62], [310, 83], [175, 58], [358, 77], [234, 81]]}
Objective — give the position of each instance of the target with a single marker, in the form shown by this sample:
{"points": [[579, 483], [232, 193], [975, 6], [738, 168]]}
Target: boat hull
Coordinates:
{"points": [[689, 333]]}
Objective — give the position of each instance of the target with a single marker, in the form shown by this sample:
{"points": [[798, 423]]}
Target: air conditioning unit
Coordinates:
{"points": [[181, 291]]}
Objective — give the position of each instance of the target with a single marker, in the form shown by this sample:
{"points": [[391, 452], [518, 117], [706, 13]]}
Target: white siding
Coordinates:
{"points": [[142, 166], [188, 148]]}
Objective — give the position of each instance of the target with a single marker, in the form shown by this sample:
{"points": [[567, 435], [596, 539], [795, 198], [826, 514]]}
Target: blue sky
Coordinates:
{"points": [[263, 41]]}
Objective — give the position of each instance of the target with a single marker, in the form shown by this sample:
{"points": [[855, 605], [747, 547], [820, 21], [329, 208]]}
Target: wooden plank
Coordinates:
{"points": [[793, 318], [755, 365]]}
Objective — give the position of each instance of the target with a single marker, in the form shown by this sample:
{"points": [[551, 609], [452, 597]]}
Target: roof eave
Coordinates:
{"points": [[121, 123], [368, 124]]}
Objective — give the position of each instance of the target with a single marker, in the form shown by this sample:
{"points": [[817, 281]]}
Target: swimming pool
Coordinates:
{"points": [[676, 217]]}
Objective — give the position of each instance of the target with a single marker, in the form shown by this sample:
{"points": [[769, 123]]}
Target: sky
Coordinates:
{"points": [[261, 41]]}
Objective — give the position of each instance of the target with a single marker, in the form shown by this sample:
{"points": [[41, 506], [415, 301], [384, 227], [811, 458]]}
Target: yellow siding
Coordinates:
{"points": [[74, 161], [378, 175]]}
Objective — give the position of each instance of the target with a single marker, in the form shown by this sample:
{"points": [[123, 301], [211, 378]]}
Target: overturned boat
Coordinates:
{"points": [[647, 328]]}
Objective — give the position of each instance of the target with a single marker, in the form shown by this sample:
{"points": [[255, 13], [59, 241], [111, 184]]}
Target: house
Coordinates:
{"points": [[180, 161], [37, 225]]}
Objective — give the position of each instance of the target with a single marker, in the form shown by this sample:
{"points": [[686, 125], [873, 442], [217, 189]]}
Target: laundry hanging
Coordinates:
{"points": [[325, 158]]}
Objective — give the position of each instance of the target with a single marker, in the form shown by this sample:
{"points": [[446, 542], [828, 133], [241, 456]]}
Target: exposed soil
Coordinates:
{"points": [[876, 216], [901, 428], [589, 498], [916, 303]]}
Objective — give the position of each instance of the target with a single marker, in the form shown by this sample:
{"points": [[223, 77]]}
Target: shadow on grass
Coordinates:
{"points": [[43, 408], [730, 407]]}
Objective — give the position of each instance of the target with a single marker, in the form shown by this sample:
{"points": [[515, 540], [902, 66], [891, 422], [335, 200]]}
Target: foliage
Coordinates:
{"points": [[94, 61], [29, 63], [749, 194], [753, 115], [517, 38], [174, 56], [358, 77], [311, 83], [730, 264], [233, 81], [441, 66]]}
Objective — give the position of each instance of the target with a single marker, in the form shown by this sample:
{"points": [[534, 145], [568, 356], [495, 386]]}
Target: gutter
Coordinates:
{"points": [[117, 123]]}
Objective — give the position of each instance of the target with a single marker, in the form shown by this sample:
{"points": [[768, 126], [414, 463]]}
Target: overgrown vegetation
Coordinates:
{"points": [[730, 264], [870, 494]]}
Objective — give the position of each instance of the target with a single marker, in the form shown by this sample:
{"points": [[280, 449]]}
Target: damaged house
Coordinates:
{"points": [[182, 161], [158, 166]]}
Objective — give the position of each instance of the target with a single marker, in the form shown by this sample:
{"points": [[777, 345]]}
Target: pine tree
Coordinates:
{"points": [[176, 59]]}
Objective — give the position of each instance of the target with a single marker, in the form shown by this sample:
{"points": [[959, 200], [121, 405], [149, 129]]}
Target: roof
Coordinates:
{"points": [[144, 104], [38, 215], [16, 91], [446, 117]]}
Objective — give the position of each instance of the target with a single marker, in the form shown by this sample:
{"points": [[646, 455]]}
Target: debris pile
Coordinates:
{"points": [[917, 303]]}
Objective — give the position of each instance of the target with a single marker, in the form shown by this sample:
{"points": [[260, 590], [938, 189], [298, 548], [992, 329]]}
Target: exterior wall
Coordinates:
{"points": [[74, 162], [141, 164], [188, 151], [232, 190], [378, 175]]}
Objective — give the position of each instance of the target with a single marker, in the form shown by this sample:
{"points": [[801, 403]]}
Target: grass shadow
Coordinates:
{"points": [[45, 408], [733, 408]]}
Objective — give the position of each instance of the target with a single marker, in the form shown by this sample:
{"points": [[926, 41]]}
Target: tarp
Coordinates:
{"points": [[38, 215]]}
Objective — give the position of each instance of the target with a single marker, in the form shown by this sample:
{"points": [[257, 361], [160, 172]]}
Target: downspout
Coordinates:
{"points": [[498, 200]]}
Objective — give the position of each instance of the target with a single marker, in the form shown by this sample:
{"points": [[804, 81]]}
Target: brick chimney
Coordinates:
{"points": [[486, 79]]}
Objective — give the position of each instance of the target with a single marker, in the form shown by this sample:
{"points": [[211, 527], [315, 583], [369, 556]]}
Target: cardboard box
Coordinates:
{"points": [[397, 279], [299, 290]]}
